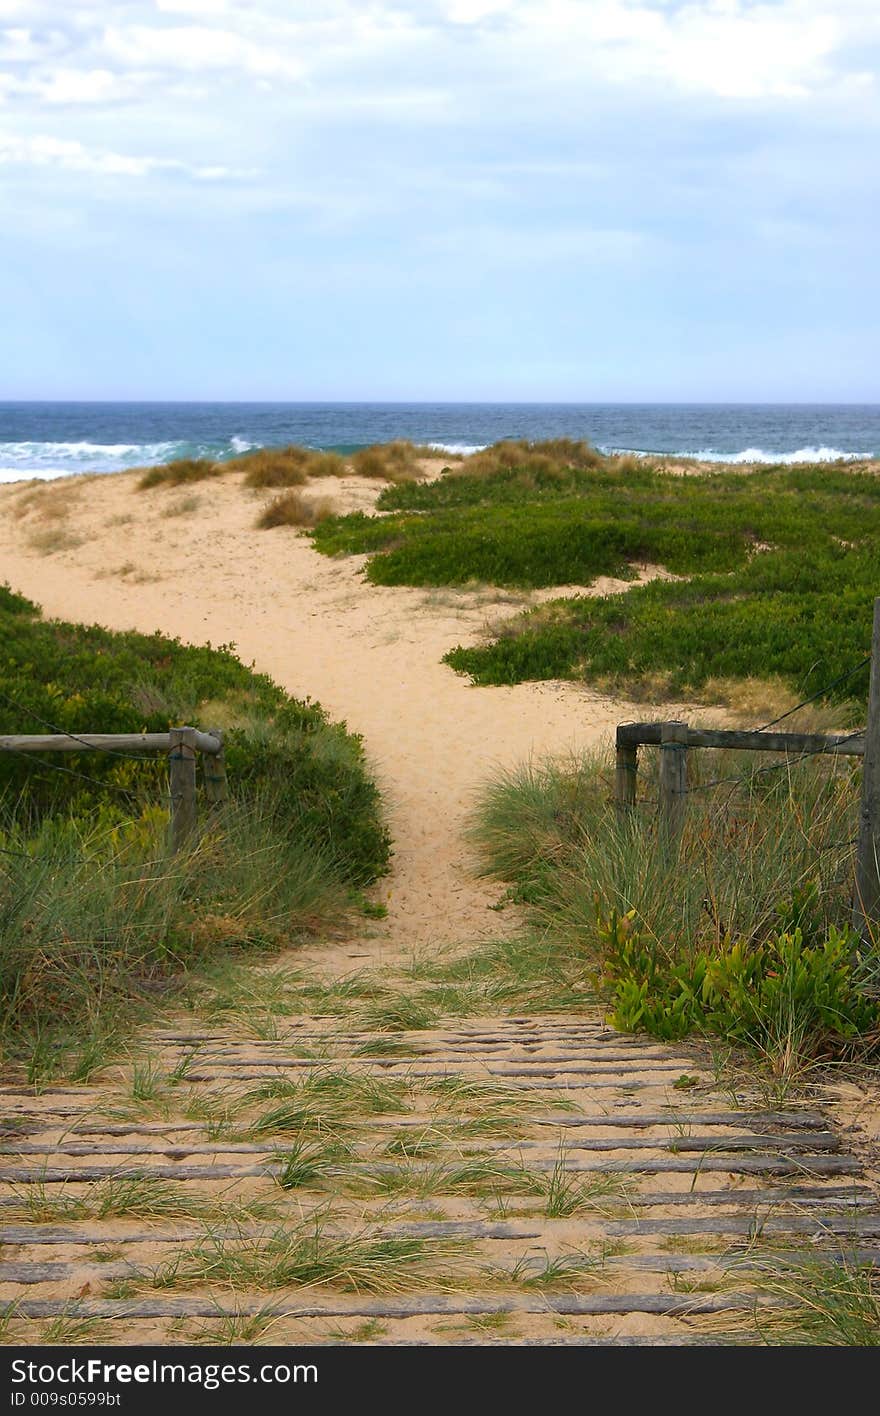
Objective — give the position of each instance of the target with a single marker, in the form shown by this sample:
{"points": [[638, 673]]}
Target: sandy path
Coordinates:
{"points": [[370, 655]]}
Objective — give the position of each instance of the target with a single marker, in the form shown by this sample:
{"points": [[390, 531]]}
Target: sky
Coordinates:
{"points": [[572, 200]]}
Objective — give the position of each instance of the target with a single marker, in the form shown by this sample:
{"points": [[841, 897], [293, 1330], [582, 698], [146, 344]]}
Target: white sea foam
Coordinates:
{"points": [[21, 461], [240, 444], [758, 454], [463, 449]]}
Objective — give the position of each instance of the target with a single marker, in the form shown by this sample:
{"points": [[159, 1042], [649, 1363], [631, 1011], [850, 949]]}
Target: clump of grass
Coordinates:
{"points": [[562, 1271], [71, 1329], [567, 1193], [463, 1094], [399, 1012], [327, 1100], [307, 1162], [236, 1329], [285, 466], [292, 509], [294, 1258], [178, 472], [397, 461], [184, 506], [475, 1175], [822, 1304], [115, 1197], [548, 457]]}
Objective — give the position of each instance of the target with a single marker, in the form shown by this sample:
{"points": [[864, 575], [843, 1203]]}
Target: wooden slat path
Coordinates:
{"points": [[669, 1200]]}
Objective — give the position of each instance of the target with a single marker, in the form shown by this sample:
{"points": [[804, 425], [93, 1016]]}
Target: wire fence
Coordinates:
{"points": [[788, 764]]}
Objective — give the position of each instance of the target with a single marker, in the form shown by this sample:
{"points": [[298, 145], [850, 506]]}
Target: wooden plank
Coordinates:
{"points": [[102, 742], [714, 1145], [427, 1305], [85, 742], [866, 893], [182, 769], [845, 744], [650, 1165]]}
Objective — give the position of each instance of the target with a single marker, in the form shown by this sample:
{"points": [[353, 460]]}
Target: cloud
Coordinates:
{"points": [[44, 150], [195, 48]]}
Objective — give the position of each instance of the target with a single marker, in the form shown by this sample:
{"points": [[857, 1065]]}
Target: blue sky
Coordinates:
{"points": [[455, 199]]}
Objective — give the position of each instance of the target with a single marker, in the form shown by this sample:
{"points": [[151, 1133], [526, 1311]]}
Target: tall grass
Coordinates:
{"points": [[740, 927], [96, 922]]}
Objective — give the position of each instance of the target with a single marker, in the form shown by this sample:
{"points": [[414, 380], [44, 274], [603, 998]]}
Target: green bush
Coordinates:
{"points": [[78, 680], [780, 991], [805, 618]]}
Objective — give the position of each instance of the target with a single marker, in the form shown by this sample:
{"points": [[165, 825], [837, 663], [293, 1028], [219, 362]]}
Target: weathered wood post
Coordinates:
{"points": [[625, 774], [866, 896], [182, 769], [214, 770], [673, 778]]}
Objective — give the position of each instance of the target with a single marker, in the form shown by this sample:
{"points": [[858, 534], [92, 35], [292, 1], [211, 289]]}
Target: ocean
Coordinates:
{"points": [[53, 439]]}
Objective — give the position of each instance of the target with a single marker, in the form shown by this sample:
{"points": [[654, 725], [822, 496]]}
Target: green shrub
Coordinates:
{"points": [[780, 991], [81, 680], [805, 619], [780, 565]]}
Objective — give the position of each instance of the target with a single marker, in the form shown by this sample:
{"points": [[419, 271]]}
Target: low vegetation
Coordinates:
{"points": [[292, 509], [738, 931], [292, 465], [775, 570], [95, 917], [398, 461]]}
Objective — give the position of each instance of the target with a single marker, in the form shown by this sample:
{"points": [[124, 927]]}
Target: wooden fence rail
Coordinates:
{"points": [[675, 739], [181, 744]]}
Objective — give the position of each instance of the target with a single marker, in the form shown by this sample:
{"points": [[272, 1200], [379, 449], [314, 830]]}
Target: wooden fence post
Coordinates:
{"points": [[866, 898], [214, 770], [625, 776], [182, 769], [673, 777]]}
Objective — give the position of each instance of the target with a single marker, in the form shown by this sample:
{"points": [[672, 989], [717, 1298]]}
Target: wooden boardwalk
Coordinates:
{"points": [[539, 1179]]}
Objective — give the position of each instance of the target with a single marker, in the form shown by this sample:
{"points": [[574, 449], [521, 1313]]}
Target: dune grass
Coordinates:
{"points": [[98, 925], [310, 1257], [823, 1303], [178, 472], [98, 920], [394, 462], [292, 509], [740, 930]]}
